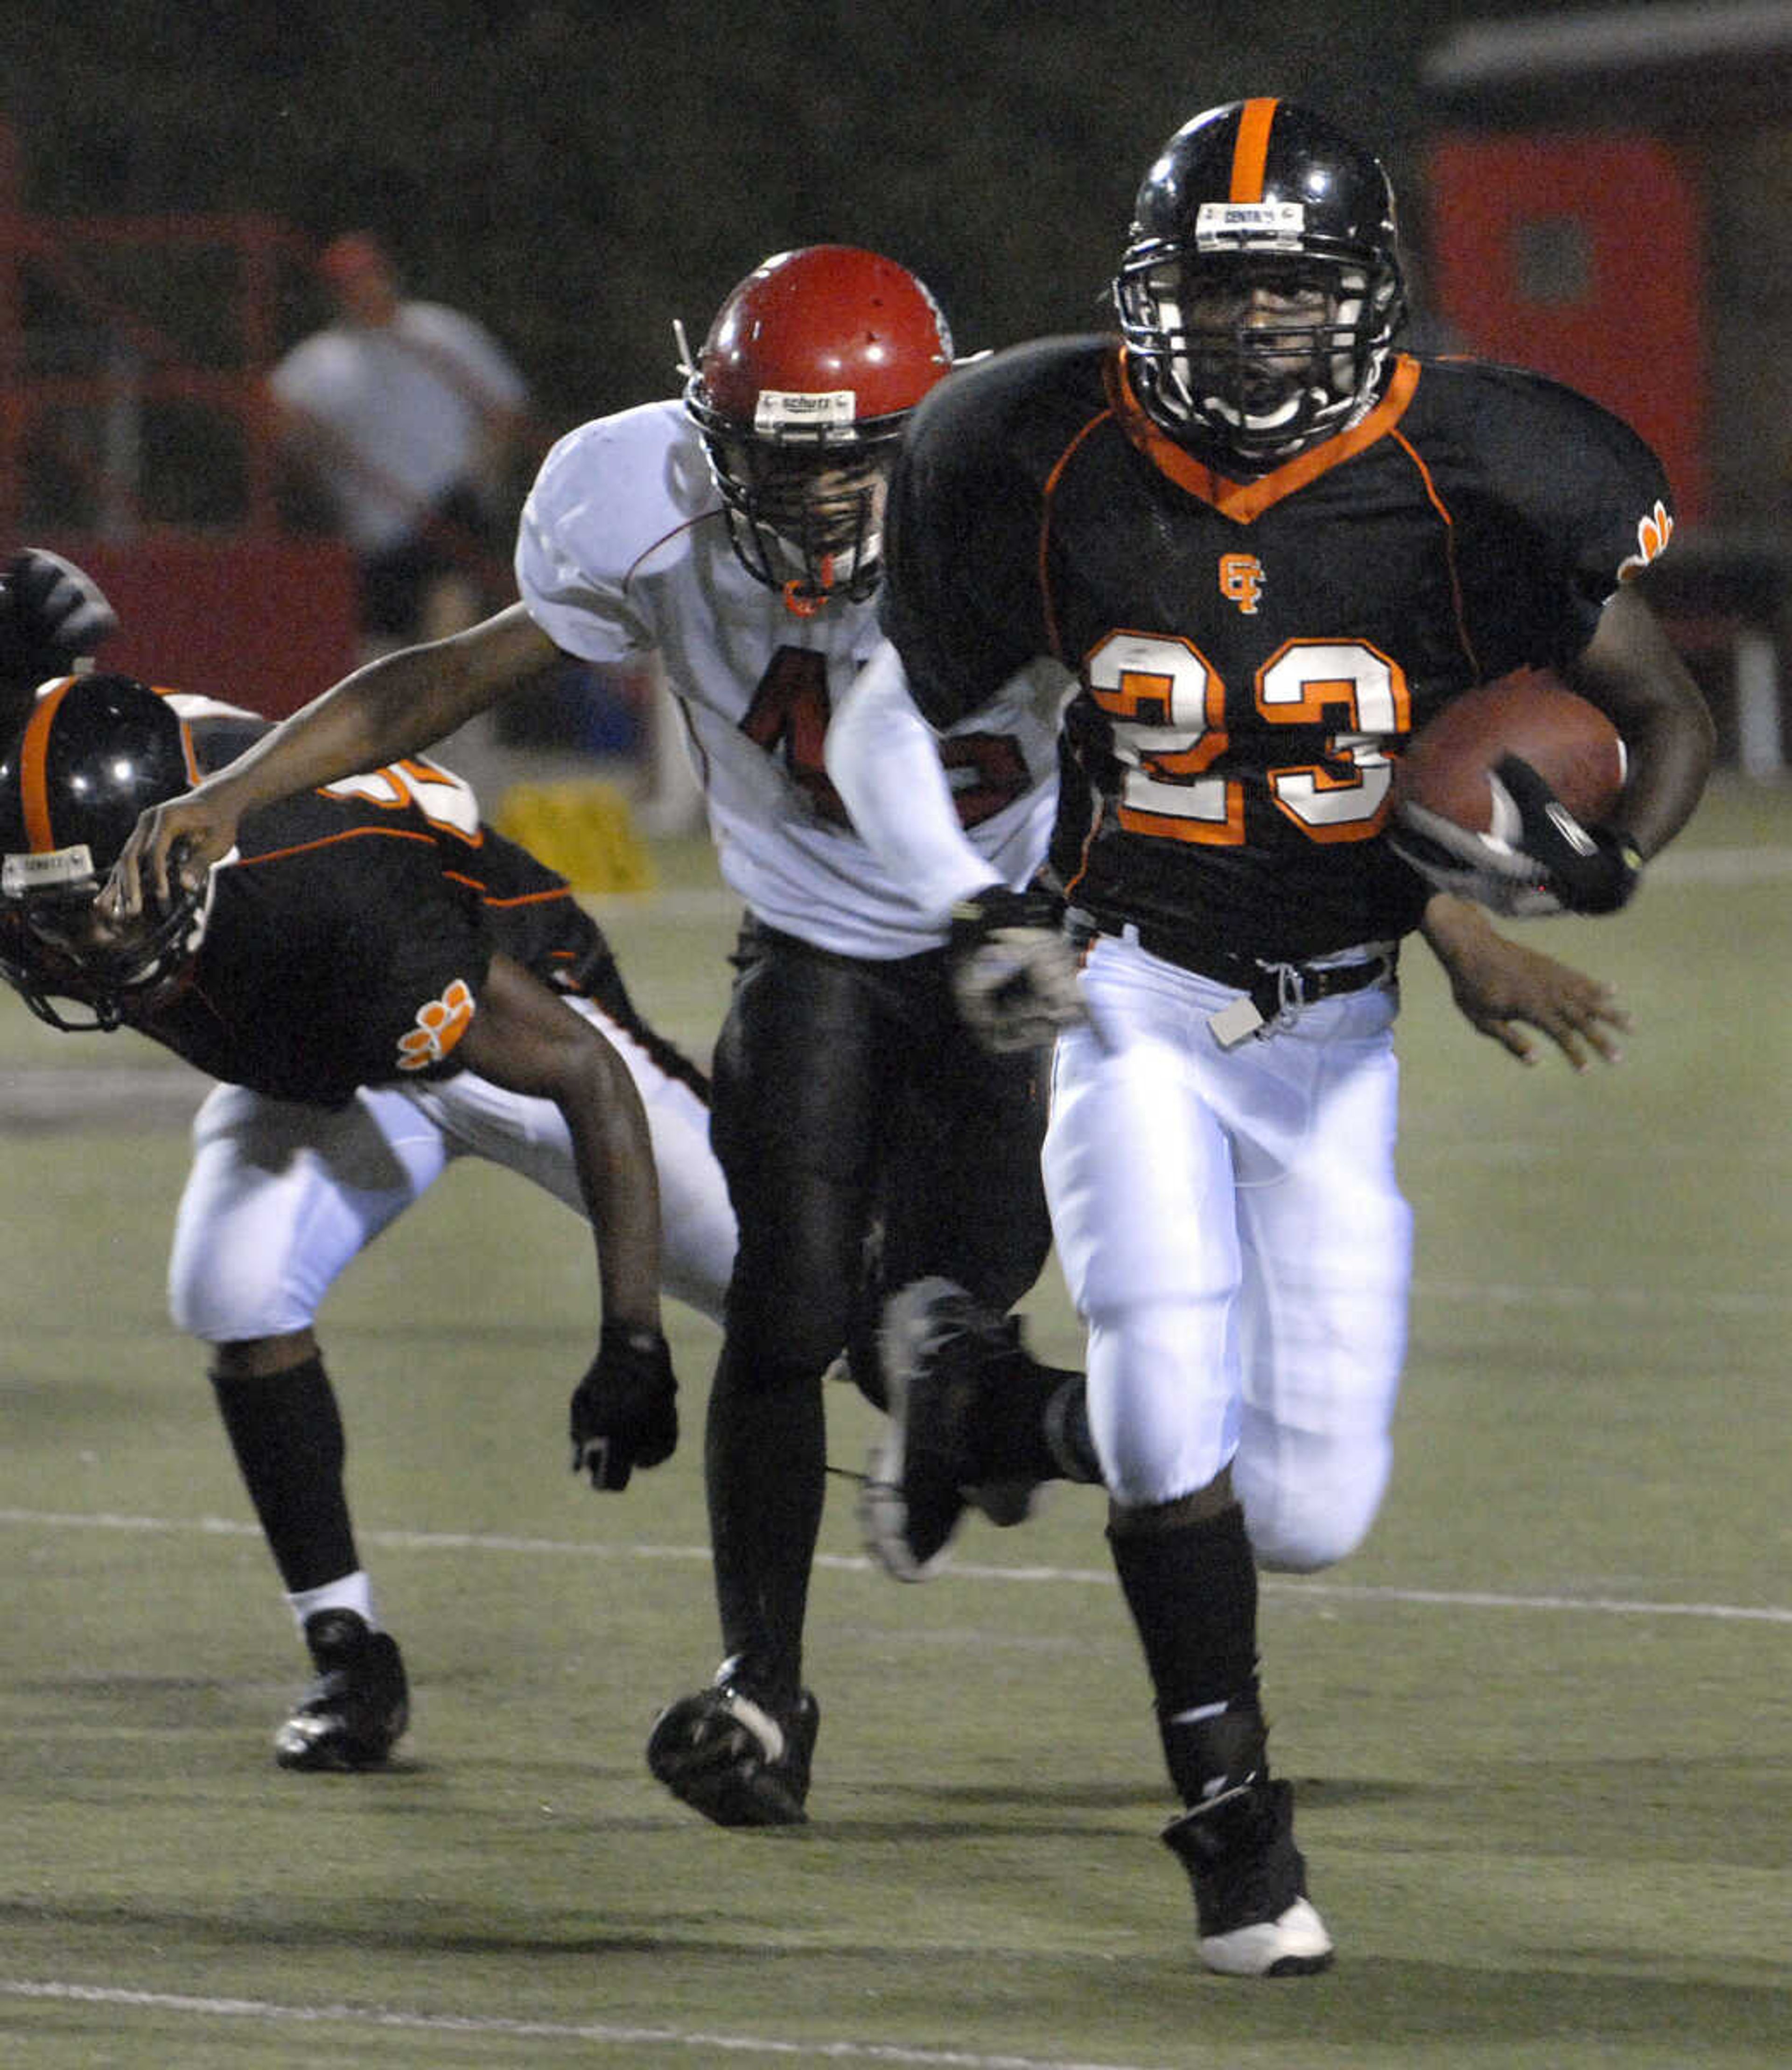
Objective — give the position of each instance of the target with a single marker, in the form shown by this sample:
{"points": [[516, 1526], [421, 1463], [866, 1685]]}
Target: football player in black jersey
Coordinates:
{"points": [[846, 1097], [1261, 546], [383, 984]]}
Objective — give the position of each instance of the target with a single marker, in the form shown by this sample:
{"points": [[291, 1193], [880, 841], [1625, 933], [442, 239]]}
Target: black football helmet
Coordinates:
{"points": [[1260, 291], [800, 391], [95, 752]]}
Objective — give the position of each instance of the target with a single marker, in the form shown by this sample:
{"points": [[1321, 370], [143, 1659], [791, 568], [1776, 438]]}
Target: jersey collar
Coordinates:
{"points": [[1243, 500]]}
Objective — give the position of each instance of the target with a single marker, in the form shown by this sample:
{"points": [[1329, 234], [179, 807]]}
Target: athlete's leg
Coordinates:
{"points": [[798, 1069], [1327, 1242], [1140, 1171], [279, 1198]]}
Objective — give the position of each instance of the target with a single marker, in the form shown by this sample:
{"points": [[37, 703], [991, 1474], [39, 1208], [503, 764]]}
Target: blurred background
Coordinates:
{"points": [[1603, 192]]}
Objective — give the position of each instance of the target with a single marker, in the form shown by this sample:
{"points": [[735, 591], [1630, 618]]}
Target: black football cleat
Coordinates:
{"points": [[352, 1715], [736, 1758], [1252, 1912], [940, 1348]]}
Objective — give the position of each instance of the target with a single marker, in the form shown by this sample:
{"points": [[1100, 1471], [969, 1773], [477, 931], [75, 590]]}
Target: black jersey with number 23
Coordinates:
{"points": [[1251, 657]]}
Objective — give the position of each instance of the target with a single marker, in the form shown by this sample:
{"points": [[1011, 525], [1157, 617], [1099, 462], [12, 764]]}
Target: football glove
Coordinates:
{"points": [[625, 1411], [51, 613], [1589, 870], [1013, 973], [1536, 859]]}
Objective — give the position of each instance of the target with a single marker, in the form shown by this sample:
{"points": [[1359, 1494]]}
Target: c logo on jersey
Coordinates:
{"points": [[1242, 581], [1652, 535], [441, 1024]]}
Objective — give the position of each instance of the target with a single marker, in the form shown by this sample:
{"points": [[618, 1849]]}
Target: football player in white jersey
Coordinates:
{"points": [[738, 531]]}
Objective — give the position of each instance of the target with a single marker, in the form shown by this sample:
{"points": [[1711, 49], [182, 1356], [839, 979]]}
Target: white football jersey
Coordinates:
{"points": [[623, 549]]}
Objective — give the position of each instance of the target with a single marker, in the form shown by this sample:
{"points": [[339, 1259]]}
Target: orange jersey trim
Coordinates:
{"points": [[552, 894], [330, 841], [1243, 502], [1050, 490], [1442, 509], [1250, 152]]}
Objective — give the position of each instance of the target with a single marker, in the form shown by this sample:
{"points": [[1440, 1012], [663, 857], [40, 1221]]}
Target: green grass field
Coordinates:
{"points": [[1542, 1724]]}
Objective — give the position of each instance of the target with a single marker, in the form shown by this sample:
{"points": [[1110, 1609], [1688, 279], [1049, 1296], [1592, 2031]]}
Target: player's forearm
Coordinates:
{"points": [[526, 1038], [613, 1155], [1453, 928], [1671, 758], [884, 760], [393, 707], [1632, 671]]}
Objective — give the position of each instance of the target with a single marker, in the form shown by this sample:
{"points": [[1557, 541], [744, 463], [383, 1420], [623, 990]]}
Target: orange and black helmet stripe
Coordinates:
{"points": [[1250, 150], [34, 763], [33, 767]]}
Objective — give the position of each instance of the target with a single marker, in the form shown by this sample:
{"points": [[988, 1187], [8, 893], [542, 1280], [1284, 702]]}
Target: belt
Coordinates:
{"points": [[1274, 991]]}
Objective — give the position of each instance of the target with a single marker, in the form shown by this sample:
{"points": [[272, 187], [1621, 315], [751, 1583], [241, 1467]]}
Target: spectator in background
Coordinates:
{"points": [[405, 417]]}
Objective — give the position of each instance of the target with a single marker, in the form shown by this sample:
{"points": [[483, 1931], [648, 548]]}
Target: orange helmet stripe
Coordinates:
{"points": [[1251, 150], [34, 784]]}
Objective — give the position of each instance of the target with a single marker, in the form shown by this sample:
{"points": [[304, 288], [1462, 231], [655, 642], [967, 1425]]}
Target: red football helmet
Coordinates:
{"points": [[800, 391]]}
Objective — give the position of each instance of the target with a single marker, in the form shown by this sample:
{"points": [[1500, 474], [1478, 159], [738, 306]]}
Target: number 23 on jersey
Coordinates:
{"points": [[1183, 780]]}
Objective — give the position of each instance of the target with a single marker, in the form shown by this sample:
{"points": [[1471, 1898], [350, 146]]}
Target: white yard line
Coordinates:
{"points": [[598, 2034], [1028, 1577]]}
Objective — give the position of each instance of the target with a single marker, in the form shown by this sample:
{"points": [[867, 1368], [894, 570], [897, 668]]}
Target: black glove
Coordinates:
{"points": [[625, 1410], [1586, 869], [1014, 973], [51, 613]]}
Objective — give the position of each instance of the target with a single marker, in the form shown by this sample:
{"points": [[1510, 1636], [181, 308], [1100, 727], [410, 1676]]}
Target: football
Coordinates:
{"points": [[1532, 713]]}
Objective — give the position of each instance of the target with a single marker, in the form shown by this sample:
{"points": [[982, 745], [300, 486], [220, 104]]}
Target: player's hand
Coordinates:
{"points": [[1585, 869], [1494, 870], [1014, 973], [171, 849], [625, 1411], [1505, 989], [51, 613]]}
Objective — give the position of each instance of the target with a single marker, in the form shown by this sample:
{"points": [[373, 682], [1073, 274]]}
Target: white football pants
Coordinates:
{"points": [[281, 1197], [1231, 1230]]}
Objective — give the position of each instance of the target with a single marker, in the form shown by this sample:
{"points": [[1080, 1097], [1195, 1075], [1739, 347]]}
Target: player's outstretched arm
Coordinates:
{"points": [[393, 707], [623, 1412], [1504, 989]]}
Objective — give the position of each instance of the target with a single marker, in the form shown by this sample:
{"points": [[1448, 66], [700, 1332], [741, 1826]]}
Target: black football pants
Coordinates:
{"points": [[847, 1100]]}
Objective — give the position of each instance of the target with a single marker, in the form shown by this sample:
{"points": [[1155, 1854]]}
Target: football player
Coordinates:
{"points": [[1253, 545], [383, 984], [738, 530]]}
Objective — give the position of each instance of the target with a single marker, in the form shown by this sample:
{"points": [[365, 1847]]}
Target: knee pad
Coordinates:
{"points": [[1163, 1408], [233, 1287], [1309, 1500]]}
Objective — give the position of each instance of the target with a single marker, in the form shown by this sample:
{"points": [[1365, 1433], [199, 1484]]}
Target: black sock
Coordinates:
{"points": [[765, 1470], [287, 1434], [1192, 1593]]}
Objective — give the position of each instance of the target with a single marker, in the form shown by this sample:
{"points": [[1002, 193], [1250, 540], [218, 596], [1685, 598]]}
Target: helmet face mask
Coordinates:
{"points": [[800, 391], [1260, 291], [801, 512], [97, 751]]}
